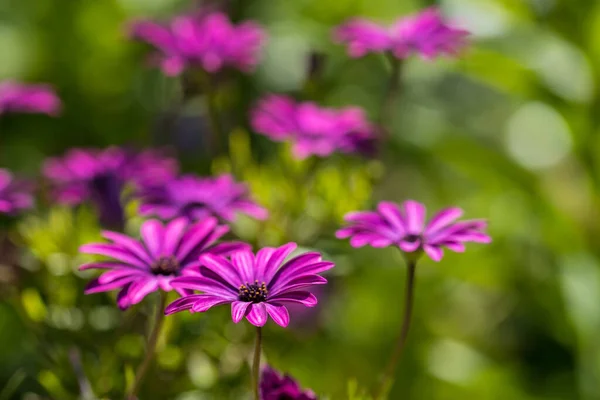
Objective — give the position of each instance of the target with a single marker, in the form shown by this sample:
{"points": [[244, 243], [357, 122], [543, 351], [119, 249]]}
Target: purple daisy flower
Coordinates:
{"points": [[16, 97], [313, 130], [208, 40], [195, 198], [255, 286], [404, 226], [14, 195], [164, 253], [274, 386], [425, 33], [100, 176]]}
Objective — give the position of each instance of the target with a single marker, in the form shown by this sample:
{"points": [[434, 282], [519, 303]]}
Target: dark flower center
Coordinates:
{"points": [[165, 266], [254, 292], [411, 238]]}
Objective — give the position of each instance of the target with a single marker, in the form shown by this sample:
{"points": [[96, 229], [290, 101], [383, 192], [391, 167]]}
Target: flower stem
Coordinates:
{"points": [[393, 90], [400, 344], [256, 364], [218, 136], [150, 347]]}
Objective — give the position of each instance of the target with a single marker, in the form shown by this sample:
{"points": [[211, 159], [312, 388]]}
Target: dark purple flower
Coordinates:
{"points": [[164, 253], [16, 97], [195, 198], [273, 386], [255, 286], [313, 130], [425, 33], [100, 176], [404, 226], [14, 195], [208, 40]]}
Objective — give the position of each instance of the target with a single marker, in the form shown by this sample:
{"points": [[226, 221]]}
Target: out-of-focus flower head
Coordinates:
{"points": [[404, 226], [274, 386], [256, 286], [17, 97], [15, 195], [100, 176], [313, 130], [165, 252], [209, 40], [425, 33], [195, 198]]}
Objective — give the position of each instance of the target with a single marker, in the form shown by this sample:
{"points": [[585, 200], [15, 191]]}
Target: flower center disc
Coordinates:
{"points": [[253, 293], [165, 266]]}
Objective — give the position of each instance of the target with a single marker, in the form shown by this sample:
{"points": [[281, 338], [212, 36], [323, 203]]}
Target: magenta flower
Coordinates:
{"points": [[207, 40], [100, 176], [425, 33], [273, 386], [164, 253], [313, 130], [404, 226], [14, 195], [16, 97], [195, 198], [255, 286]]}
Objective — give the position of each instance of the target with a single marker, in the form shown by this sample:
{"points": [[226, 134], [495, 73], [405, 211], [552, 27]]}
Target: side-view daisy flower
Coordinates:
{"points": [[165, 252], [404, 226], [274, 386], [195, 198], [256, 286]]}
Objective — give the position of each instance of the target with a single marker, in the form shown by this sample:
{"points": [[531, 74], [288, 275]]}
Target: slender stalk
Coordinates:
{"points": [[393, 91], [400, 344], [256, 364], [150, 347], [218, 135]]}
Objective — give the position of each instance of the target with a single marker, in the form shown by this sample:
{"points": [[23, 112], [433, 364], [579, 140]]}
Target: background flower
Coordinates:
{"points": [[165, 252], [274, 386], [256, 286], [17, 97], [15, 195]]}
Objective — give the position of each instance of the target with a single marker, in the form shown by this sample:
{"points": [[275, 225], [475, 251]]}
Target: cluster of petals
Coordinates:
{"points": [[256, 285], [425, 33], [274, 386], [165, 252], [404, 226], [311, 129], [83, 174], [17, 97], [15, 195], [195, 198], [208, 40]]}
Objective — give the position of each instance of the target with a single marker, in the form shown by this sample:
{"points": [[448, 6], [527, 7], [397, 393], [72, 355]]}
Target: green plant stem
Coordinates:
{"points": [[256, 364], [393, 91], [150, 347], [218, 135], [400, 344]]}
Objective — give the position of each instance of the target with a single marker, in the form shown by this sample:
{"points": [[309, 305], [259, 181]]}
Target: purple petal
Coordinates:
{"points": [[111, 250], [415, 216], [123, 297], [226, 248], [203, 284], [391, 213], [141, 288], [434, 252], [455, 246], [115, 274], [243, 261], [409, 247], [297, 268], [105, 265], [130, 244], [172, 236], [183, 303], [222, 267], [258, 314], [442, 219], [299, 283], [195, 236], [205, 302], [238, 310], [279, 314], [276, 259], [94, 286], [152, 33], [303, 297], [153, 236]]}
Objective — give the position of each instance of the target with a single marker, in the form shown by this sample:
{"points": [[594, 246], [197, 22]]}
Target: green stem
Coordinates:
{"points": [[150, 347], [218, 135], [256, 364], [400, 344], [393, 91]]}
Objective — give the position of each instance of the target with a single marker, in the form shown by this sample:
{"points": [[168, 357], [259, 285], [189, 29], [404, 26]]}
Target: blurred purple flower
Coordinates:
{"points": [[404, 226], [313, 130], [208, 40], [273, 386], [17, 97], [164, 253], [255, 286], [195, 198], [100, 176], [425, 33], [14, 195]]}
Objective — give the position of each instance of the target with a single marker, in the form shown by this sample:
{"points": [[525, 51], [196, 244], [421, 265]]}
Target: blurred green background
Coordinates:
{"points": [[509, 132]]}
